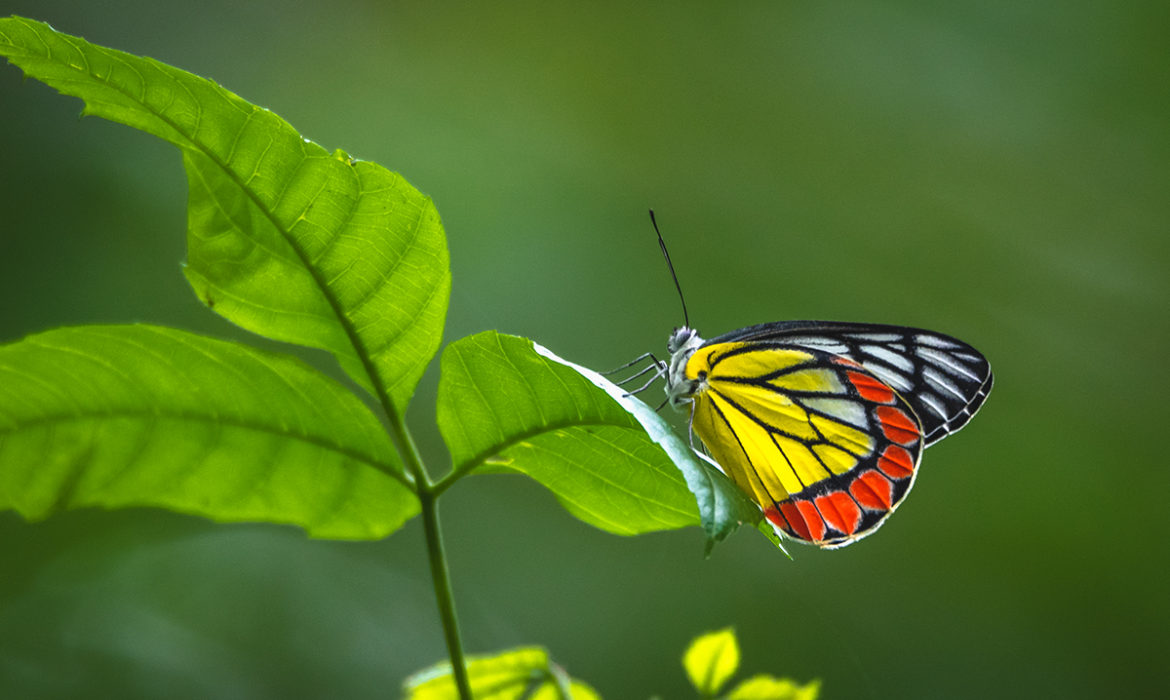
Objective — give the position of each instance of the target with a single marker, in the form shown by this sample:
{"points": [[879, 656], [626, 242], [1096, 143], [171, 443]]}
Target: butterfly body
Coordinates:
{"points": [[823, 424]]}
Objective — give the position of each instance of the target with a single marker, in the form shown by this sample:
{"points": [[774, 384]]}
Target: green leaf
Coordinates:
{"points": [[769, 688], [711, 660], [284, 238], [118, 416], [577, 691], [524, 673], [722, 506], [505, 406]]}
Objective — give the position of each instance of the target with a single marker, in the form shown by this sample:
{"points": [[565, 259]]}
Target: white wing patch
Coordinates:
{"points": [[900, 382], [875, 337], [937, 380], [845, 410], [934, 341], [894, 359], [948, 363], [931, 401]]}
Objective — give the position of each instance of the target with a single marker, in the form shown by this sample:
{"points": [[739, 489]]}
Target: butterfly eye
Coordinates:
{"points": [[679, 338]]}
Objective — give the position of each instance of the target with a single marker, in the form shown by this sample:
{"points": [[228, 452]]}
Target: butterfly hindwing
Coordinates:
{"points": [[822, 443], [943, 379]]}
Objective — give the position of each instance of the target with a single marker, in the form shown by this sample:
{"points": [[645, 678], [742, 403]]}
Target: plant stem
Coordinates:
{"points": [[441, 579], [440, 576]]}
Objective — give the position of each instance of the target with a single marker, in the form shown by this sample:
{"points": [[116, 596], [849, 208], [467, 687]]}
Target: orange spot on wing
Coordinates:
{"points": [[816, 525], [872, 490], [840, 511], [797, 525], [896, 462], [870, 388], [898, 426], [777, 520]]}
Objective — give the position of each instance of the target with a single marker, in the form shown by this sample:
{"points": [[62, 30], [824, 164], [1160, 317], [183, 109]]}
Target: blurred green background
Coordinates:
{"points": [[998, 171]]}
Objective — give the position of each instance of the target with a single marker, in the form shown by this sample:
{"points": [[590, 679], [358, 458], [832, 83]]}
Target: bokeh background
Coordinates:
{"points": [[996, 170]]}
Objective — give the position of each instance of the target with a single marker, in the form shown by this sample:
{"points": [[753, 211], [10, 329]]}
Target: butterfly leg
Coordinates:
{"points": [[644, 370], [656, 366], [636, 360], [691, 427], [660, 370]]}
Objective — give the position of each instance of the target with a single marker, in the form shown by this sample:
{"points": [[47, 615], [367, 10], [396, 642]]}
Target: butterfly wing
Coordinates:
{"points": [[823, 445], [943, 379]]}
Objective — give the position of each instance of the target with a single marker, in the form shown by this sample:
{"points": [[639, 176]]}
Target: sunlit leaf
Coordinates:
{"points": [[118, 416], [722, 506], [284, 238], [711, 660], [577, 691], [769, 688], [516, 674], [505, 406]]}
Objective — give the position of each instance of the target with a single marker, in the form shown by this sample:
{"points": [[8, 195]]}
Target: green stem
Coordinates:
{"points": [[440, 576], [442, 582]]}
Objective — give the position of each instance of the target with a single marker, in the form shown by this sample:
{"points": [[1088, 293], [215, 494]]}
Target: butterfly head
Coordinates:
{"points": [[682, 344], [680, 338]]}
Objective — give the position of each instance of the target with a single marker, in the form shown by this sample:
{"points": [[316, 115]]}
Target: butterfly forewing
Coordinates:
{"points": [[944, 380], [823, 444]]}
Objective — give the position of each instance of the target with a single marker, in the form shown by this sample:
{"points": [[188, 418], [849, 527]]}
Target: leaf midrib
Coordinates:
{"points": [[477, 459], [609, 482], [186, 416], [361, 352]]}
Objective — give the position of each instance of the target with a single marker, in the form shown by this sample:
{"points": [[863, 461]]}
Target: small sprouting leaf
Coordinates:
{"points": [[505, 406], [577, 691], [769, 688], [121, 416], [711, 660], [517, 674], [284, 238]]}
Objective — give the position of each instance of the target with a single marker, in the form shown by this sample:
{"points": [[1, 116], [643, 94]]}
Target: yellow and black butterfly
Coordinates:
{"points": [[822, 424]]}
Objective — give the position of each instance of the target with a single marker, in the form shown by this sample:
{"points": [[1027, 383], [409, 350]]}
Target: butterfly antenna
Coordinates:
{"points": [[666, 254]]}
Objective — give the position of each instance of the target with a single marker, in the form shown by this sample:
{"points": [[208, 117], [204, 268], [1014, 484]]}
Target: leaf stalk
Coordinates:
{"points": [[440, 574], [441, 579]]}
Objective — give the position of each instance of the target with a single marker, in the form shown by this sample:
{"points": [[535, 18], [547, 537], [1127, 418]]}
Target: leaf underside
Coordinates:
{"points": [[118, 416], [507, 405], [722, 506]]}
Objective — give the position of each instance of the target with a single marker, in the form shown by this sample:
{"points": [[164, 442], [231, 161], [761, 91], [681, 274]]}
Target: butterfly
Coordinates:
{"points": [[822, 424]]}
